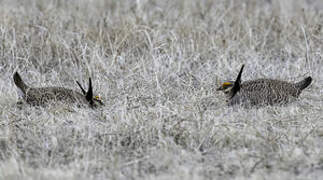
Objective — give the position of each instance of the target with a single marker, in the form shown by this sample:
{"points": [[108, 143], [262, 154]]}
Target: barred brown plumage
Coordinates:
{"points": [[42, 96], [262, 91]]}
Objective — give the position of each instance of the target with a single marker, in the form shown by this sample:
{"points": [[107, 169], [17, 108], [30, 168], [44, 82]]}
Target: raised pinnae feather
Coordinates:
{"points": [[89, 94], [83, 91], [236, 86]]}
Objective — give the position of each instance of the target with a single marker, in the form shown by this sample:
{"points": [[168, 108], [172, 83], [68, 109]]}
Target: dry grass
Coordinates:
{"points": [[156, 64]]}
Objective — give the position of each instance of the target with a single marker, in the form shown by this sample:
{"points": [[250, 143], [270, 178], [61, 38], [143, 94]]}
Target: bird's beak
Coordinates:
{"points": [[219, 89]]}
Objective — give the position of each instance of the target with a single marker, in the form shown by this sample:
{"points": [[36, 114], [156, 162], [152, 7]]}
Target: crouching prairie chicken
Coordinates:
{"points": [[41, 96], [262, 92]]}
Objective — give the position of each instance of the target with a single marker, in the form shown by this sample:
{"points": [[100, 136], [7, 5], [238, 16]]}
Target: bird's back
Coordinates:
{"points": [[266, 92], [45, 95]]}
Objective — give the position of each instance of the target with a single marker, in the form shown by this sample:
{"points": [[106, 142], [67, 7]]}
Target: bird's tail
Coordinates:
{"points": [[19, 82], [304, 83]]}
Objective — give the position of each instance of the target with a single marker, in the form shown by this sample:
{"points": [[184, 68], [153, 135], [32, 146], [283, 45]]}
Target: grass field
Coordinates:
{"points": [[156, 65]]}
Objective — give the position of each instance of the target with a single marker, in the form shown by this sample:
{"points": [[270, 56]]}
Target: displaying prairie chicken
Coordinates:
{"points": [[40, 96], [262, 92]]}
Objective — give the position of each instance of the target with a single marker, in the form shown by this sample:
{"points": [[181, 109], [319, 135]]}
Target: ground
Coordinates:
{"points": [[156, 65]]}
